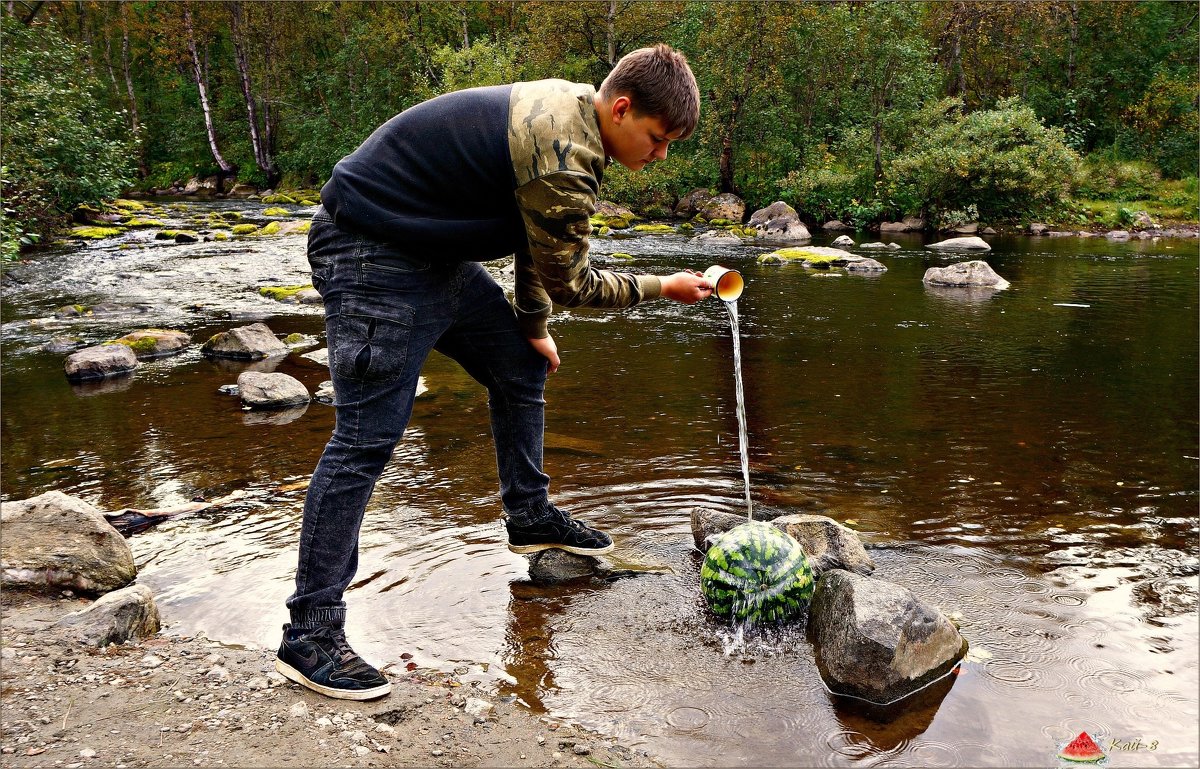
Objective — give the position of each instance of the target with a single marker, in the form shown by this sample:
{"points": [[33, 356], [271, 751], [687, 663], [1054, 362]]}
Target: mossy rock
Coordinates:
{"points": [[745, 232], [133, 223], [686, 227], [231, 216], [174, 235], [813, 256], [310, 202], [296, 338], [276, 212], [95, 233], [128, 205], [220, 235], [605, 230], [615, 222], [269, 229], [622, 256], [142, 348], [280, 293], [723, 223], [278, 198], [244, 229], [655, 229]]}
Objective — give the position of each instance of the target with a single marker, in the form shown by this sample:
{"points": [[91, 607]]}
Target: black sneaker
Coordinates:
{"points": [[561, 532], [321, 659]]}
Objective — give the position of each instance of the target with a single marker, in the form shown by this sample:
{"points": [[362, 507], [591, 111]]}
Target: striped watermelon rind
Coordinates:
{"points": [[755, 572], [1082, 750]]}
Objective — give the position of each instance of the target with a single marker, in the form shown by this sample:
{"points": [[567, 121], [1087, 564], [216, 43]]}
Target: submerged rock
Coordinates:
{"points": [[324, 393], [974, 243], [977, 273], [548, 566], [125, 614], [100, 362], [62, 344], [57, 541], [828, 544], [876, 640], [253, 342], [155, 342], [271, 391]]}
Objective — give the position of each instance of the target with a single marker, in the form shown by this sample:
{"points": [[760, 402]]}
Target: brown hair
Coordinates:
{"points": [[659, 83]]}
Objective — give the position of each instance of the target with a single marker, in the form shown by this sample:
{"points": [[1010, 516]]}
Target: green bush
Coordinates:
{"points": [[1003, 160], [59, 150], [1103, 177]]}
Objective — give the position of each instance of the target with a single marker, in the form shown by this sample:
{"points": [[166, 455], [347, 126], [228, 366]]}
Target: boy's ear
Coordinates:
{"points": [[621, 108]]}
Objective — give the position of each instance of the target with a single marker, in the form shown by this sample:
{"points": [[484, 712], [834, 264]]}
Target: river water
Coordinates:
{"points": [[1025, 460]]}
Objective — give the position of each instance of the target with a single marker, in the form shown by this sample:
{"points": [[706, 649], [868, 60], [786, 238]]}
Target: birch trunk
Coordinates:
{"points": [[227, 169]]}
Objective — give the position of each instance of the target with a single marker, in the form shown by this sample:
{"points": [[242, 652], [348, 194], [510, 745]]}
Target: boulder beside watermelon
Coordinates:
{"points": [[756, 573]]}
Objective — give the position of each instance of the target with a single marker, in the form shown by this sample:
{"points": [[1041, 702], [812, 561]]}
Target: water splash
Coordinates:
{"points": [[743, 440]]}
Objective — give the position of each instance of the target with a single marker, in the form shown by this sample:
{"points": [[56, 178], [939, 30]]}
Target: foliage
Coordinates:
{"points": [[59, 151], [1003, 161], [1102, 176]]}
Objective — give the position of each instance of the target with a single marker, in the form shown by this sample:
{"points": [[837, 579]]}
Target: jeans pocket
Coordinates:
{"points": [[369, 338]]}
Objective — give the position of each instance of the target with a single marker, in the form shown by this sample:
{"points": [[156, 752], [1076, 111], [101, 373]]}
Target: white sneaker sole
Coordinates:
{"points": [[526, 549], [289, 672]]}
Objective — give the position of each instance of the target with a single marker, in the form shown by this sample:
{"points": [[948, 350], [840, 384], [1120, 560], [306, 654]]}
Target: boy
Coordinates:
{"points": [[395, 248]]}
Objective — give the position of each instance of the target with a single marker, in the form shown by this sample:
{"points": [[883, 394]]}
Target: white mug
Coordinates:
{"points": [[726, 284]]}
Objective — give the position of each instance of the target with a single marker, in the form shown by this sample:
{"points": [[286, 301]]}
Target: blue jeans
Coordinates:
{"points": [[385, 310]]}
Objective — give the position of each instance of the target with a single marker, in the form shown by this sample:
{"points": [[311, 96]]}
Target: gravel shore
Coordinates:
{"points": [[178, 701]]}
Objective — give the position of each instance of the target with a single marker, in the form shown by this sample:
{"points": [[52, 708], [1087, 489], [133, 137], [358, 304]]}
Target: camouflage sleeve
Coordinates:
{"points": [[556, 209]]}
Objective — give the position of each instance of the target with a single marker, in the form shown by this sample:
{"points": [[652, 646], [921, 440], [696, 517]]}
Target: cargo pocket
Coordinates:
{"points": [[369, 338]]}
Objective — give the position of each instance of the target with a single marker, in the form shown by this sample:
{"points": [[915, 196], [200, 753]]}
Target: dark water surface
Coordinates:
{"points": [[1026, 460]]}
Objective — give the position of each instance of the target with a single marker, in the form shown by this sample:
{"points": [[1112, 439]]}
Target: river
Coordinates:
{"points": [[1025, 459]]}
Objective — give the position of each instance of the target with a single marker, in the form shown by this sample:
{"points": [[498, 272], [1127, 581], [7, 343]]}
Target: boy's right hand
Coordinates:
{"points": [[688, 287], [549, 351]]}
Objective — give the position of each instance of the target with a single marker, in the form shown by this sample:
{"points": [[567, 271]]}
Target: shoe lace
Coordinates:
{"points": [[346, 656]]}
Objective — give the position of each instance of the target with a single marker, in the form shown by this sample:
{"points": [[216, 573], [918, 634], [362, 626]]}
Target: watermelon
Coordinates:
{"points": [[755, 572], [1083, 749]]}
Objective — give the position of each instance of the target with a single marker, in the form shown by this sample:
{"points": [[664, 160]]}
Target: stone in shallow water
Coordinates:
{"points": [[878, 641], [99, 362], [976, 273], [558, 566], [828, 544], [973, 243], [253, 342], [271, 391]]}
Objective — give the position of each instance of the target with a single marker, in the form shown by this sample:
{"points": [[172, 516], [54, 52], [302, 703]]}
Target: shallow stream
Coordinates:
{"points": [[1024, 459]]}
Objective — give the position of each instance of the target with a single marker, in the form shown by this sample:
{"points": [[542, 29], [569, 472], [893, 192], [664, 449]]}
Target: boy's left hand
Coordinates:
{"points": [[548, 349]]}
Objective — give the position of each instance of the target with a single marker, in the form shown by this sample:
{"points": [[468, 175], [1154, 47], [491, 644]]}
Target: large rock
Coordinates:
{"points": [[253, 342], [827, 543], [974, 243], [1117, 235], [271, 391], [866, 265], [320, 357], [155, 342], [724, 206], [965, 229], [607, 209], [836, 225], [708, 523], [99, 362], [779, 221], [548, 566], [821, 256], [876, 640], [842, 241], [974, 273], [122, 615], [56, 541], [689, 205], [907, 224]]}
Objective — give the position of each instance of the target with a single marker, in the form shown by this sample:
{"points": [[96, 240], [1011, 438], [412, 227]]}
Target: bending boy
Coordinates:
{"points": [[395, 249]]}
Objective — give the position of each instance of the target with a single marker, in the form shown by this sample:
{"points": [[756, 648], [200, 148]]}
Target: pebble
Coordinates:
{"points": [[358, 737], [324, 724], [435, 752], [385, 728], [8, 653], [581, 749], [152, 661], [556, 756], [258, 683], [299, 710], [477, 707], [361, 750], [217, 672], [87, 753], [275, 678], [214, 659]]}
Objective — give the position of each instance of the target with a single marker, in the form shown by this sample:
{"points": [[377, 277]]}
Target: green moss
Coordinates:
{"points": [[231, 216], [310, 202], [220, 235], [686, 227], [244, 229], [722, 222], [621, 255], [784, 255], [140, 347], [746, 232], [276, 212], [278, 199], [95, 233], [615, 222], [603, 231], [144, 223], [657, 229], [279, 293], [302, 228], [269, 229], [294, 339], [128, 205]]}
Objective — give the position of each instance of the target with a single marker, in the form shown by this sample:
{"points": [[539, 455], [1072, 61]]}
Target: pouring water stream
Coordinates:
{"points": [[743, 440]]}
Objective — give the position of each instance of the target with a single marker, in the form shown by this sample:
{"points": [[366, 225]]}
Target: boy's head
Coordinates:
{"points": [[649, 100]]}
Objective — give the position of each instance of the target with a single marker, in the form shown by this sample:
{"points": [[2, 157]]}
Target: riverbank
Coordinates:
{"points": [[176, 700]]}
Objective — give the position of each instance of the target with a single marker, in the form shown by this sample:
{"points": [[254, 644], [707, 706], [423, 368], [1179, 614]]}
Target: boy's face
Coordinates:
{"points": [[636, 140]]}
